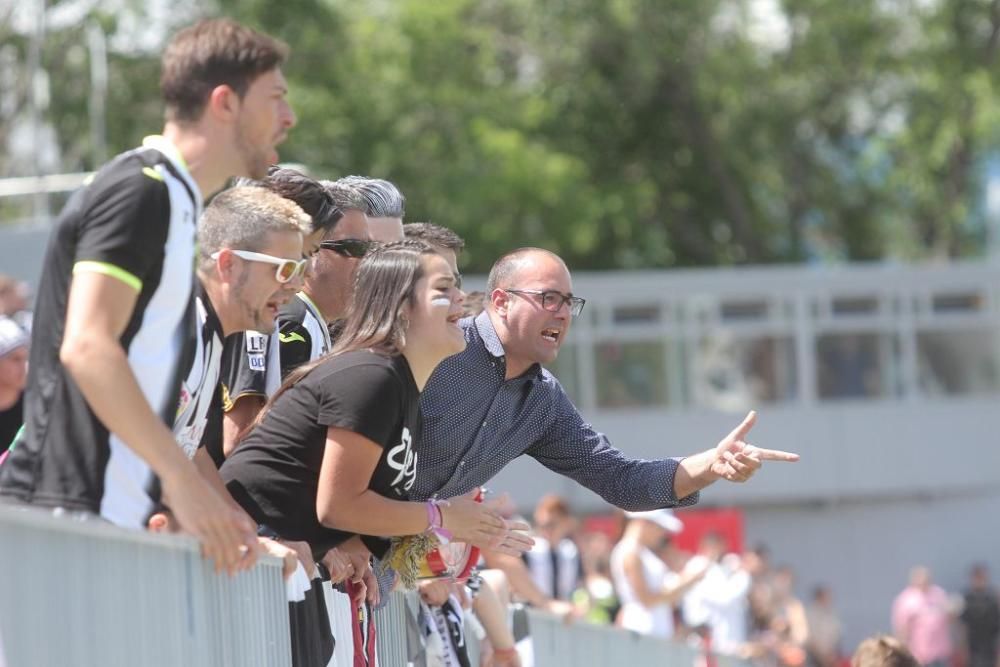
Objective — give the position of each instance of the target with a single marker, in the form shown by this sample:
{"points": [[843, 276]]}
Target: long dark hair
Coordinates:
{"points": [[385, 282]]}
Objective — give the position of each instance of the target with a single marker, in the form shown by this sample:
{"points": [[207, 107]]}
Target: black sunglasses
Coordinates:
{"points": [[355, 248]]}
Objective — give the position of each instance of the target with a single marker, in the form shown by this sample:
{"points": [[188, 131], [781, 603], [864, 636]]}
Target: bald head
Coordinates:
{"points": [[531, 304], [508, 270]]}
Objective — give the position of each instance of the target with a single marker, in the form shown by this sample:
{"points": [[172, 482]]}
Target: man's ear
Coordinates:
{"points": [[500, 299], [223, 103], [225, 266]]}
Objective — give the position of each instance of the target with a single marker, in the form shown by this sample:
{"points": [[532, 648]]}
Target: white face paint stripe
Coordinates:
{"points": [[441, 302]]}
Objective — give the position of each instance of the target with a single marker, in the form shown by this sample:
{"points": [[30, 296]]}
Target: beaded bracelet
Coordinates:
{"points": [[435, 520]]}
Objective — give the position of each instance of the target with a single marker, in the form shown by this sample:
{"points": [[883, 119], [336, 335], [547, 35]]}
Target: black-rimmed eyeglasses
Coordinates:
{"points": [[552, 300], [356, 248]]}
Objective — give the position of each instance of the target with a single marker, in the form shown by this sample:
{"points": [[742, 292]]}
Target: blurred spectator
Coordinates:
{"points": [[921, 618], [474, 304], [490, 600], [823, 643], [758, 563], [596, 599], [981, 619], [442, 624], [719, 602], [14, 296], [546, 576], [646, 586], [882, 651], [13, 375], [788, 623], [15, 301], [554, 561]]}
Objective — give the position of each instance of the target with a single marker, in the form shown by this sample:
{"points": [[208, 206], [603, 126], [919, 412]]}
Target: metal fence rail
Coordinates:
{"points": [[82, 593], [88, 593], [556, 644]]}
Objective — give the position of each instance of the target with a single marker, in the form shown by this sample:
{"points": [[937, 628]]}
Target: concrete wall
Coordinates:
{"points": [[22, 250]]}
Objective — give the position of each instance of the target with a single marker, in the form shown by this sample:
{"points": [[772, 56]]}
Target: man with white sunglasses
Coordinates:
{"points": [[250, 264]]}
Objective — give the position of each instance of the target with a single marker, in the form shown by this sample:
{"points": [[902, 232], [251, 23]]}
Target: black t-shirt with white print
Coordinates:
{"points": [[274, 473]]}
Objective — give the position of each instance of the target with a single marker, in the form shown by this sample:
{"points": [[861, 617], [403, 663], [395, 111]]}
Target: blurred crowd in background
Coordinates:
{"points": [[627, 570]]}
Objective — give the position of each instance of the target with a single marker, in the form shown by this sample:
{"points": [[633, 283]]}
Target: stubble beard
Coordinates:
{"points": [[255, 164], [251, 315]]}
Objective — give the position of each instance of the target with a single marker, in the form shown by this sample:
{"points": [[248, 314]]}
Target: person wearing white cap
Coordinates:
{"points": [[647, 588], [13, 375]]}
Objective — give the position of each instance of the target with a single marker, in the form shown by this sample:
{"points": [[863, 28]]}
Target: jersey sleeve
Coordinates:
{"points": [[295, 342], [126, 221], [366, 399], [244, 367]]}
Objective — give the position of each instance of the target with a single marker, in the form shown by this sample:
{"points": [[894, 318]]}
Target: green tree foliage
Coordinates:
{"points": [[630, 133]]}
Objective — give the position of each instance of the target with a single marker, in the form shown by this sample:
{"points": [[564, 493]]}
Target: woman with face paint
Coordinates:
{"points": [[333, 454]]}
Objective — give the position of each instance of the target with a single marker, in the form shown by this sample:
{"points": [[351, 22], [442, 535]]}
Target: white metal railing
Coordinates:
{"points": [[556, 644], [89, 593], [83, 592], [789, 335], [23, 186]]}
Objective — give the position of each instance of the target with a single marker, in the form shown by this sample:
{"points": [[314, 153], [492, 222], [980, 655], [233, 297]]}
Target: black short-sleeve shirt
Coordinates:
{"points": [[274, 473]]}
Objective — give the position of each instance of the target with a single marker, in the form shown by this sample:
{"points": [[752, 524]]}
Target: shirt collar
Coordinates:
{"points": [[491, 341], [162, 144], [165, 146], [311, 304], [488, 334], [211, 317]]}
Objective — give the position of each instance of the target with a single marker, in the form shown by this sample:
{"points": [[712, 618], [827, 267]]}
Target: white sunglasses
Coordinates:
{"points": [[286, 269]]}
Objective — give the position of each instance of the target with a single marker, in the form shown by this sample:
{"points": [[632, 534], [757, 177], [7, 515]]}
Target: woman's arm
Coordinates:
{"points": [[344, 501]]}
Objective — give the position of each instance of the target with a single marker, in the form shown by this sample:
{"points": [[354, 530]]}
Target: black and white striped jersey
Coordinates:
{"points": [[136, 222], [196, 417]]}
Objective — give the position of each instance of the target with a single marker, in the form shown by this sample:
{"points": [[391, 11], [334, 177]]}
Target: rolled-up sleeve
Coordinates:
{"points": [[572, 447]]}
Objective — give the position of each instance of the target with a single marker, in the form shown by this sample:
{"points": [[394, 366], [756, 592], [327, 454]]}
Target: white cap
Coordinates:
{"points": [[663, 518], [12, 336]]}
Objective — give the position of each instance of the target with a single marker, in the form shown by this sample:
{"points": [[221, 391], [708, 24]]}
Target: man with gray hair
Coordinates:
{"points": [[384, 206]]}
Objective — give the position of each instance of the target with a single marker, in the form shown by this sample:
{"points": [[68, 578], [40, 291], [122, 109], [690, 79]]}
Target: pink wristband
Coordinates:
{"points": [[435, 520]]}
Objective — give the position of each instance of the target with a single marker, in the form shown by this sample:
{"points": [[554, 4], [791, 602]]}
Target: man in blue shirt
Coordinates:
{"points": [[493, 402]]}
